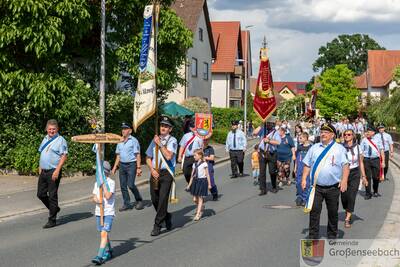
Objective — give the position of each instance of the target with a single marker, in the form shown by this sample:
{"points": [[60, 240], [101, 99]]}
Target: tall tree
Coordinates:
{"points": [[351, 50], [338, 93]]}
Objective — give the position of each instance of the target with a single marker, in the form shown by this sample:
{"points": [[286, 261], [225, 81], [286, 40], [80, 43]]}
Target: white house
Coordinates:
{"points": [[197, 68]]}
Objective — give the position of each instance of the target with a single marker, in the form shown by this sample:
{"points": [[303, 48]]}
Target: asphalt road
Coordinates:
{"points": [[242, 229]]}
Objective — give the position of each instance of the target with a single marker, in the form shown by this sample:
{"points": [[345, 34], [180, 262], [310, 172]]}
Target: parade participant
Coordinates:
{"points": [[359, 129], [374, 161], [105, 251], [53, 154], [301, 151], [329, 168], [250, 129], [255, 165], [286, 152], [128, 157], [162, 177], [346, 125], [298, 130], [268, 156], [209, 157], [199, 182], [236, 146], [357, 172], [188, 144], [286, 126], [387, 142]]}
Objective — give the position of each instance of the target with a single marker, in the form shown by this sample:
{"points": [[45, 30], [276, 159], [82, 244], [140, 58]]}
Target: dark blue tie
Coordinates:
{"points": [[234, 139], [191, 145], [369, 150]]}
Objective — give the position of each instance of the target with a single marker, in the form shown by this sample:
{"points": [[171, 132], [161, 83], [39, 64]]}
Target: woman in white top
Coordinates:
{"points": [[355, 157], [199, 182]]}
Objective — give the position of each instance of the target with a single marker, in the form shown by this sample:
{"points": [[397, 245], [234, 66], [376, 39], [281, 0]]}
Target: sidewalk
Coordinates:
{"points": [[18, 193], [390, 230]]}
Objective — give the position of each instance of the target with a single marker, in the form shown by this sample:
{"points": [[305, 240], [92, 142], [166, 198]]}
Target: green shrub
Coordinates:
{"points": [[223, 117], [219, 135]]}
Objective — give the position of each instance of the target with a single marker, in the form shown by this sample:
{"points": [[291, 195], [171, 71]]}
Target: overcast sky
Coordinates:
{"points": [[295, 29]]}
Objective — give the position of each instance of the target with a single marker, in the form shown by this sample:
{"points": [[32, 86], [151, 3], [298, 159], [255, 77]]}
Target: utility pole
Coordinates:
{"points": [[103, 66], [246, 80]]}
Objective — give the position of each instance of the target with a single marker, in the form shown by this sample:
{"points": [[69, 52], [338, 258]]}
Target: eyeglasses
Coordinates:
{"points": [[348, 134]]}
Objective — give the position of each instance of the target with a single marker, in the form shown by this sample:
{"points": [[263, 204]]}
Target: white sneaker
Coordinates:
{"points": [[280, 184]]}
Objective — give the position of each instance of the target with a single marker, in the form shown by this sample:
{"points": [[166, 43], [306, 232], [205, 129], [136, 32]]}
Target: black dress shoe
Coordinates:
{"points": [[139, 205], [168, 222], [125, 208], [274, 190], [156, 231], [234, 176], [262, 192], [49, 224], [367, 197], [58, 210], [376, 195]]}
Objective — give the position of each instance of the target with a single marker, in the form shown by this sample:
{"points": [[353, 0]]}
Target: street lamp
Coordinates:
{"points": [[246, 62]]}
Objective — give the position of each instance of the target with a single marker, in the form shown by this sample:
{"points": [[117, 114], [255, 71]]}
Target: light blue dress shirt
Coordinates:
{"points": [[127, 150], [171, 144], [332, 168], [368, 151], [274, 135], [51, 155], [196, 144], [241, 141], [387, 140]]}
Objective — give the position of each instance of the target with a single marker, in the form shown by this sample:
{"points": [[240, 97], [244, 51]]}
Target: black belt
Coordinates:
{"points": [[126, 163], [328, 186], [235, 150], [187, 157], [49, 170], [371, 158]]}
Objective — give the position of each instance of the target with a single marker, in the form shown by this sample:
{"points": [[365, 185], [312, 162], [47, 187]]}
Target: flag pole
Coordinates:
{"points": [[156, 126]]}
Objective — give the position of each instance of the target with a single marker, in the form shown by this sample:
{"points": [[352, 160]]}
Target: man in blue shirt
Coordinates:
{"points": [[128, 156], [236, 143], [330, 179], [188, 144], [388, 147], [162, 173], [374, 160], [53, 154], [268, 156]]}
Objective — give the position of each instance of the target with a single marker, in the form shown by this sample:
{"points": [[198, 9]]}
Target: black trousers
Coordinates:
{"points": [[271, 161], [371, 166], [159, 197], [47, 192], [188, 167], [385, 170], [237, 157], [331, 196], [349, 196]]}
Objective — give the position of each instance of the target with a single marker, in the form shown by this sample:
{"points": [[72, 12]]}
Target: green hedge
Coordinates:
{"points": [[219, 135], [223, 116]]}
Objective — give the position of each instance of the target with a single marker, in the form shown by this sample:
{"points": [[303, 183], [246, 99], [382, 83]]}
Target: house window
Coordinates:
{"points": [[205, 71], [234, 103], [238, 84], [201, 34], [194, 67]]}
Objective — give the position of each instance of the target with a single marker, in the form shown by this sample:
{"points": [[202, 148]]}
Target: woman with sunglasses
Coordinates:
{"points": [[355, 157]]}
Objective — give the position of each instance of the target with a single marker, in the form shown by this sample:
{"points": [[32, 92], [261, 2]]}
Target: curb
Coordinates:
{"points": [[67, 203]]}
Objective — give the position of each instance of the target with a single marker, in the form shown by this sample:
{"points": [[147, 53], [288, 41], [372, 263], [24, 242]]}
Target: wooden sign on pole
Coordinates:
{"points": [[100, 139]]}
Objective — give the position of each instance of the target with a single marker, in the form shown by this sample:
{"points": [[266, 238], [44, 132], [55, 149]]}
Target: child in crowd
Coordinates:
{"points": [[302, 149], [199, 182], [105, 251], [209, 157], [255, 164]]}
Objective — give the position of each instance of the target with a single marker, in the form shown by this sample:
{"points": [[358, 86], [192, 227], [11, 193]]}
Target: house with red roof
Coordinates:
{"points": [[283, 90], [196, 70], [377, 81], [231, 65]]}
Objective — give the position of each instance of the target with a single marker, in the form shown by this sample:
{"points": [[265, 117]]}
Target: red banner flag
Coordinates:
{"points": [[312, 104], [264, 101]]}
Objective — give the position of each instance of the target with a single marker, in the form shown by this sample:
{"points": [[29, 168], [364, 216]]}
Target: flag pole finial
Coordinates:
{"points": [[264, 43]]}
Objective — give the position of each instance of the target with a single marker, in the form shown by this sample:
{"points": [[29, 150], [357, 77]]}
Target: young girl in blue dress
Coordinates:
{"points": [[199, 183]]}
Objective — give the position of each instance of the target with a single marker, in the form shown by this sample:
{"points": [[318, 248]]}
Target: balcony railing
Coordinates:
{"points": [[234, 93]]}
